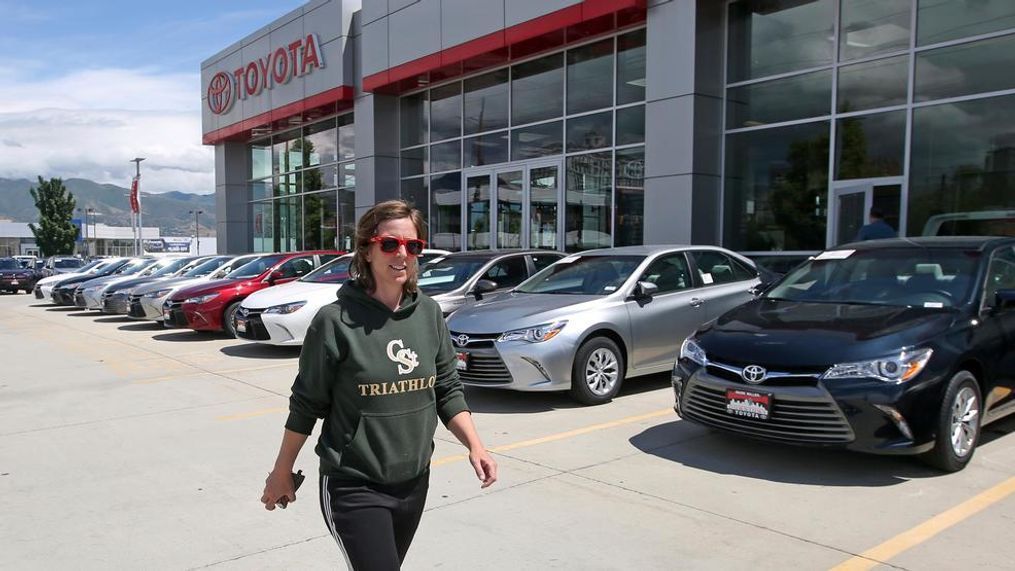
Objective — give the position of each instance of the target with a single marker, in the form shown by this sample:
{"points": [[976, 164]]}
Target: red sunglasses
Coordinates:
{"points": [[390, 244]]}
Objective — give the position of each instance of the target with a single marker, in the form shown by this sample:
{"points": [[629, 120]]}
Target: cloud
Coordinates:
{"points": [[89, 124]]}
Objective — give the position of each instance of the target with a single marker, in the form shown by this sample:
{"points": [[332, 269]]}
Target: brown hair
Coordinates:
{"points": [[366, 229]]}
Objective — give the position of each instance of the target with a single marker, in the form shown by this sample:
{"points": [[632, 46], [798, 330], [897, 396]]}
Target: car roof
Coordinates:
{"points": [[960, 242], [490, 255]]}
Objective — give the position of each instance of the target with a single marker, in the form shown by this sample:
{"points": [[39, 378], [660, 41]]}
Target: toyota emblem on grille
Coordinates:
{"points": [[753, 374], [462, 340]]}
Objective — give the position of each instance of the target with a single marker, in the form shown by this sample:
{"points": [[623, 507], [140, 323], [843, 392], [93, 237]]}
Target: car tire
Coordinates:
{"points": [[597, 372], [229, 318], [958, 424]]}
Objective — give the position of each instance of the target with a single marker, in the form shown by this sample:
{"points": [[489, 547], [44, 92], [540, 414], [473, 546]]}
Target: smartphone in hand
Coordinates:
{"points": [[298, 478]]}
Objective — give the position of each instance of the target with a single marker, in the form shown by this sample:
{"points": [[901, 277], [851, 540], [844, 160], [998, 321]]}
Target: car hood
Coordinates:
{"points": [[59, 278], [291, 293], [168, 283], [517, 310], [798, 335], [132, 283], [212, 286]]}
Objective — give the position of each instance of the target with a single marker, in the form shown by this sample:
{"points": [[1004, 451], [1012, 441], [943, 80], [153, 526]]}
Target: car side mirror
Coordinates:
{"points": [[645, 289], [758, 289], [483, 286], [275, 276], [1004, 300]]}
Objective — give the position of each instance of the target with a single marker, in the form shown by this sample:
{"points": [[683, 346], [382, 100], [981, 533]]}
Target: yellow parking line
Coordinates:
{"points": [[254, 413], [928, 529]]}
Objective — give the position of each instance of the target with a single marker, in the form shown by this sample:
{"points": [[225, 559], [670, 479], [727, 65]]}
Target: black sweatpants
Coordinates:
{"points": [[373, 524]]}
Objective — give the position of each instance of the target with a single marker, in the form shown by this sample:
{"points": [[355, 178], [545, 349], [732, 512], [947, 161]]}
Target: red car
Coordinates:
{"points": [[211, 306]]}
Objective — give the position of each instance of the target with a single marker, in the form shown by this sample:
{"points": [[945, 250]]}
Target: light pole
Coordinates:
{"points": [[140, 225], [197, 231]]}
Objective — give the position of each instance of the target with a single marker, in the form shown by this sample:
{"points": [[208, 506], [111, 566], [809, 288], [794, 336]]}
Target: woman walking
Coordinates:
{"points": [[378, 366]]}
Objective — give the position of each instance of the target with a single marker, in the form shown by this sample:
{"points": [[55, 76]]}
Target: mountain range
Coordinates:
{"points": [[168, 211]]}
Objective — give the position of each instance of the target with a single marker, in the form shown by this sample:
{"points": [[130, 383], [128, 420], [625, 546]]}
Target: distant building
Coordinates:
{"points": [[16, 238]]}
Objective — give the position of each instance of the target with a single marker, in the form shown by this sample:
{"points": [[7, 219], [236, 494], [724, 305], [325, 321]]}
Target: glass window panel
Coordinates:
{"points": [[313, 220], [798, 97], [943, 20], [776, 186], [347, 175], [346, 219], [446, 156], [260, 189], [537, 90], [414, 116], [870, 146], [486, 102], [477, 197], [630, 187], [446, 211], [873, 84], [486, 149], [590, 77], [264, 233], [509, 211], [871, 27], [260, 159], [544, 191], [321, 143], [346, 137], [287, 152], [778, 36], [288, 224], [986, 65], [631, 67], [537, 141], [963, 164], [589, 200], [590, 132], [317, 179], [446, 112], [414, 192], [414, 162], [286, 184], [631, 125]]}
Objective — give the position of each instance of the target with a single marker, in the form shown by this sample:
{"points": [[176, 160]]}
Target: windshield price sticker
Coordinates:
{"points": [[707, 278], [834, 255], [748, 404]]}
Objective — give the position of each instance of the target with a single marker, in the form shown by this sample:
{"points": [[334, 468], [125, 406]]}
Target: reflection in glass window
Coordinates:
{"points": [[590, 132], [871, 27], [446, 211], [320, 218], [943, 20], [631, 67], [264, 233], [537, 141], [797, 97], [873, 84], [778, 36], [260, 159], [346, 137], [314, 179], [587, 67], [544, 198], [320, 142], [870, 145], [509, 212], [446, 156], [414, 162], [629, 228], [963, 162], [346, 219], [288, 224], [414, 116], [486, 102], [589, 195], [537, 90], [286, 185], [965, 69], [260, 189], [347, 175], [488, 149], [287, 153], [776, 185], [414, 192], [631, 125], [446, 112], [477, 213]]}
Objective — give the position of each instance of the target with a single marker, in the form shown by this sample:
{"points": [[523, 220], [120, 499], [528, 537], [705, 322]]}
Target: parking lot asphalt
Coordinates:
{"points": [[124, 445]]}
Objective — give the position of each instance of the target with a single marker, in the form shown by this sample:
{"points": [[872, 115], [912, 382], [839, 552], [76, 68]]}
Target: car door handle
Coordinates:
{"points": [[696, 302]]}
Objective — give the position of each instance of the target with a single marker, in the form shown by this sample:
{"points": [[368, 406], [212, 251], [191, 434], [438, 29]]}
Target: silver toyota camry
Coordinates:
{"points": [[590, 320]]}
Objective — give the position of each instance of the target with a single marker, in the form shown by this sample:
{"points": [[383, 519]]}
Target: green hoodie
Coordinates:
{"points": [[379, 379]]}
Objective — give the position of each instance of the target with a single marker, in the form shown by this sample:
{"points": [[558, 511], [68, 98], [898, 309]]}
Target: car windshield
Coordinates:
{"points": [[255, 267], [67, 263], [170, 267], [334, 271], [133, 267], [446, 274], [9, 264], [583, 275], [206, 267], [923, 277], [90, 266]]}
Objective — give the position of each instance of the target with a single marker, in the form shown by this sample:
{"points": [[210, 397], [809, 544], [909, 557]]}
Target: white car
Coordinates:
{"points": [[89, 294], [145, 302], [44, 287], [280, 315]]}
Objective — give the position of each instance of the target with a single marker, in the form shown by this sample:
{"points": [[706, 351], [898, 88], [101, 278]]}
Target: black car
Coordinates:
{"points": [[14, 278], [903, 346], [64, 290]]}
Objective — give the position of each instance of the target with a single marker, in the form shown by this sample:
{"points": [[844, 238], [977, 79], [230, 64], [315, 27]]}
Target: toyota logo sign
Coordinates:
{"points": [[220, 93], [753, 374], [462, 340]]}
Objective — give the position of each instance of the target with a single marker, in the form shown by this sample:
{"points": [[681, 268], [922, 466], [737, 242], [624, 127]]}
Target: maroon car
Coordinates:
{"points": [[14, 278]]}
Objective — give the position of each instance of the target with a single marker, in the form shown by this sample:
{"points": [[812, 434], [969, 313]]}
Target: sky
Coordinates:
{"points": [[86, 86]]}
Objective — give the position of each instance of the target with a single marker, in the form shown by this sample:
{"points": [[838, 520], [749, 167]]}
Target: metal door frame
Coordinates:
{"points": [[865, 185]]}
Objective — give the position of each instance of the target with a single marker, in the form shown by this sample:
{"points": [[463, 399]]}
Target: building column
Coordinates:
{"points": [[234, 231], [683, 122], [376, 150]]}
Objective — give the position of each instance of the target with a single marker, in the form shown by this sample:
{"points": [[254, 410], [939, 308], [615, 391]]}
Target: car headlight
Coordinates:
{"points": [[286, 308], [693, 352], [898, 368], [536, 334], [159, 293], [201, 298]]}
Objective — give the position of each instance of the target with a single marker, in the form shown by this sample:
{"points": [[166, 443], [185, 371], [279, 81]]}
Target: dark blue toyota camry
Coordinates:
{"points": [[903, 346]]}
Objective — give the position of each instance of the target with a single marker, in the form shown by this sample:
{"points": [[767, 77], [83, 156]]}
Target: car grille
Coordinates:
{"points": [[791, 380], [114, 303], [256, 331], [476, 340], [135, 309], [793, 419], [79, 298], [485, 368], [176, 317]]}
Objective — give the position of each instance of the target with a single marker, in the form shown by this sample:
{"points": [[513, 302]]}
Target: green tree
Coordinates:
{"points": [[55, 233]]}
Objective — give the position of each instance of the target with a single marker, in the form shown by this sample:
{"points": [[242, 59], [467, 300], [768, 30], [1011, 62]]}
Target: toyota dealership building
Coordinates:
{"points": [[760, 125]]}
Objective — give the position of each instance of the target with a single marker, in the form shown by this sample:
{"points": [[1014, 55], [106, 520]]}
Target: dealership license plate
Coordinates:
{"points": [[241, 325], [462, 361], [748, 404], [14, 282], [167, 315]]}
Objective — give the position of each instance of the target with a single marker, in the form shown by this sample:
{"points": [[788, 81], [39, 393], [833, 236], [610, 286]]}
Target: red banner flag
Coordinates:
{"points": [[135, 205]]}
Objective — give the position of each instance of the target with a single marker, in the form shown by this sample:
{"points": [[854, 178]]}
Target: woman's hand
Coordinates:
{"points": [[278, 489], [485, 466]]}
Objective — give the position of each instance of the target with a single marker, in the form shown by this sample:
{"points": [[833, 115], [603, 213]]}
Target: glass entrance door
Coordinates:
{"points": [[513, 206], [852, 202]]}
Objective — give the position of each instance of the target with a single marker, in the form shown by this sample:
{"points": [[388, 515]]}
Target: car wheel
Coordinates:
{"points": [[958, 428], [598, 371], [229, 318]]}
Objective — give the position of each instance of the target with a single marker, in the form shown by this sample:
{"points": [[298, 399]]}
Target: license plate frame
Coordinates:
{"points": [[14, 282], [462, 360], [754, 405], [241, 325]]}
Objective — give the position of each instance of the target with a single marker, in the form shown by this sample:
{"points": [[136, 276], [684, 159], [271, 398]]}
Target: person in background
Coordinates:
{"points": [[378, 366], [877, 229]]}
